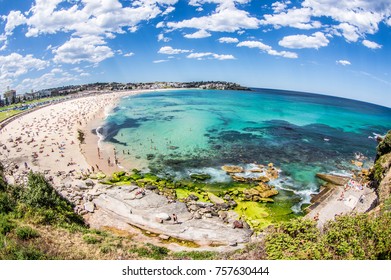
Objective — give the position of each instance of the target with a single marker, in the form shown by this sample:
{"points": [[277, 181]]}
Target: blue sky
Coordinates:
{"points": [[334, 47]]}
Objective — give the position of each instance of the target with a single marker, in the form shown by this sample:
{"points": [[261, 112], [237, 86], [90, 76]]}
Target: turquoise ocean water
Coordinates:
{"points": [[180, 132]]}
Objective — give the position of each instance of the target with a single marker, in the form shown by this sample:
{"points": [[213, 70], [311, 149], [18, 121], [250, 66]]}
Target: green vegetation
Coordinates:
{"points": [[150, 251], [7, 114], [349, 237], [26, 233]]}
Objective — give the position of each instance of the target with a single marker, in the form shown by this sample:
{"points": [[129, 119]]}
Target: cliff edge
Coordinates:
{"points": [[380, 174]]}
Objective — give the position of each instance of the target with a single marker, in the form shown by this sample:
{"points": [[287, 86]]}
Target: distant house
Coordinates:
{"points": [[10, 96]]}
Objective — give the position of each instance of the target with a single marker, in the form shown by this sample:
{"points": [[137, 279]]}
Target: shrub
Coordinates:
{"points": [[5, 225], [90, 239], [150, 251], [6, 204], [39, 193], [26, 233]]}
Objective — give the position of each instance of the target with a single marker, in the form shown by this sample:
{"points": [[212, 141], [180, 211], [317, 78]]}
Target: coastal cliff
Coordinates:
{"points": [[380, 174]]}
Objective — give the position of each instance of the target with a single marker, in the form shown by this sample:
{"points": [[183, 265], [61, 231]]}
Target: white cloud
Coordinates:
{"points": [[3, 39], [102, 19], [129, 54], [343, 62], [226, 18], [315, 41], [14, 19], [350, 32], [223, 56], [297, 18], [199, 56], [92, 17], [161, 37], [160, 61], [54, 78], [210, 55], [279, 7], [160, 24], [170, 50], [284, 54], [198, 34], [14, 65], [371, 45], [353, 18], [254, 44], [83, 49], [168, 10], [267, 49], [228, 40]]}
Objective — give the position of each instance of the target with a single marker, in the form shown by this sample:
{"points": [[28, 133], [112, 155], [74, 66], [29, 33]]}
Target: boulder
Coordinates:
{"points": [[164, 237], [163, 216], [215, 199], [264, 179], [197, 216], [89, 206], [89, 183], [193, 208], [81, 185], [192, 197], [200, 177], [269, 193], [232, 169]]}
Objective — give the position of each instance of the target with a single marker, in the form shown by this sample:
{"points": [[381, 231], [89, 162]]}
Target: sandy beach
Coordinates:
{"points": [[46, 140]]}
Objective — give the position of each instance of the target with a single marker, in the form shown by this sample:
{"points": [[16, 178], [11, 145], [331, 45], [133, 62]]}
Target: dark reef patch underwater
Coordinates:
{"points": [[181, 132]]}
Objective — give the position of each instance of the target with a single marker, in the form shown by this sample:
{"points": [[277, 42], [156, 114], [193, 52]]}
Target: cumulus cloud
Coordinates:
{"points": [[102, 19], [350, 19], [228, 40], [267, 49], [297, 18], [254, 44], [198, 34], [343, 62], [14, 65], [129, 54], [56, 77], [279, 7], [315, 41], [371, 45], [14, 19], [163, 38], [226, 18], [210, 55], [170, 50], [91, 49]]}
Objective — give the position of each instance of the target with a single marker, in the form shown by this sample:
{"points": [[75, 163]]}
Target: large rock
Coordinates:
{"points": [[260, 193], [81, 185], [163, 216], [232, 169], [89, 183], [215, 199], [89, 206], [333, 179]]}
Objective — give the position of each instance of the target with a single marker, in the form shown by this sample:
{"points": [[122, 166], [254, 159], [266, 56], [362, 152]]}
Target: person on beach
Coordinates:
{"points": [[175, 218]]}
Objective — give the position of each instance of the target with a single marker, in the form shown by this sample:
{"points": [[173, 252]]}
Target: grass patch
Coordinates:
{"points": [[195, 255], [26, 233], [150, 251]]}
